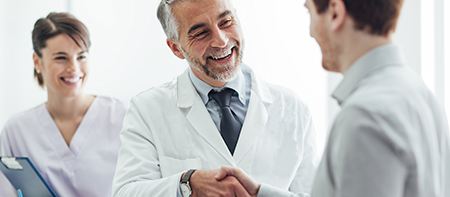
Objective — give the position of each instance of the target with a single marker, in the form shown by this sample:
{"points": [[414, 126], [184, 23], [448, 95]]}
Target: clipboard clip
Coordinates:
{"points": [[11, 163]]}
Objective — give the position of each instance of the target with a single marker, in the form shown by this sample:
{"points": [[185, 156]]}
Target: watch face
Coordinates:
{"points": [[185, 190]]}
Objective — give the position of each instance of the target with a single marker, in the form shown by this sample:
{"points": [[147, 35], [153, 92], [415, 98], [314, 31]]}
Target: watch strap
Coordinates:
{"points": [[187, 176]]}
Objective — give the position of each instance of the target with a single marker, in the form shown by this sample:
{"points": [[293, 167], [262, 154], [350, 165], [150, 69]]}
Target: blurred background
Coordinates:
{"points": [[129, 52]]}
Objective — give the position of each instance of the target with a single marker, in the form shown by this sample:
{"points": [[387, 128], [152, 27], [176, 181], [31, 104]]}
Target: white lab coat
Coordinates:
{"points": [[168, 130], [86, 167]]}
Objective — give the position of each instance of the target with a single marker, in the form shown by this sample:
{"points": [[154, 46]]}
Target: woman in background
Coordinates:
{"points": [[73, 138]]}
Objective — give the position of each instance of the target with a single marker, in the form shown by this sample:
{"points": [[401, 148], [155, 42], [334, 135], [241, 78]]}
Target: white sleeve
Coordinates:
{"points": [[138, 170], [301, 185]]}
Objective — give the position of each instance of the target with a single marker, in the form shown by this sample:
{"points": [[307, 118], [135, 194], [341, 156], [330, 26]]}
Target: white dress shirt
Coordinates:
{"points": [[391, 137]]}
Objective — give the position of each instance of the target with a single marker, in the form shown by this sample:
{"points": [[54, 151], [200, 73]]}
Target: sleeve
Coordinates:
{"points": [[5, 147], [364, 161], [138, 171], [302, 183]]}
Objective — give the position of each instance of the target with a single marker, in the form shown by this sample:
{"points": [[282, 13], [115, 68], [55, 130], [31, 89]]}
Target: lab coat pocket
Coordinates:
{"points": [[170, 166]]}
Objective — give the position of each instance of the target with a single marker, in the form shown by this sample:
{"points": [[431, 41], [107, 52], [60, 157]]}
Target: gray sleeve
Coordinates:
{"points": [[364, 161]]}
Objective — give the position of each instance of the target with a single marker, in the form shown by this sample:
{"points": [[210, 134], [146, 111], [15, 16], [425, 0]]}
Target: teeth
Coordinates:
{"points": [[72, 80], [221, 57]]}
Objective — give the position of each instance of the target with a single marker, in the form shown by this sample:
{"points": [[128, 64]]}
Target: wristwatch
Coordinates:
{"points": [[184, 186]]}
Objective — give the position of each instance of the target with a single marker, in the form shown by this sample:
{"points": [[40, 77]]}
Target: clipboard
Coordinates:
{"points": [[24, 176]]}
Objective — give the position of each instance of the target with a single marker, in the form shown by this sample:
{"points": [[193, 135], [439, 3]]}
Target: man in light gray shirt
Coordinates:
{"points": [[391, 137]]}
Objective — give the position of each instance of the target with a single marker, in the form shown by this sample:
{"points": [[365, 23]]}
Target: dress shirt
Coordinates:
{"points": [[239, 100], [391, 137]]}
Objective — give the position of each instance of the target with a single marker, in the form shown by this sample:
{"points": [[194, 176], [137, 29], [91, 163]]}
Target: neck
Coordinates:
{"points": [[212, 82], [67, 108], [356, 44]]}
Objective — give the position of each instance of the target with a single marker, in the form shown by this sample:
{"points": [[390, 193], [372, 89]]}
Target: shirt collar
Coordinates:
{"points": [[203, 88], [378, 57]]}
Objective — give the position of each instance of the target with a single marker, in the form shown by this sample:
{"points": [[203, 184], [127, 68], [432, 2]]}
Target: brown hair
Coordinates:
{"points": [[380, 16], [55, 24]]}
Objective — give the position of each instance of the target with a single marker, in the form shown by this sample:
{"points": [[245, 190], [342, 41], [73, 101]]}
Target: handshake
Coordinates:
{"points": [[226, 181]]}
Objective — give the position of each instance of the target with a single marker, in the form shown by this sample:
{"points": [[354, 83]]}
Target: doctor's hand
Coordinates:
{"points": [[203, 183], [249, 184]]}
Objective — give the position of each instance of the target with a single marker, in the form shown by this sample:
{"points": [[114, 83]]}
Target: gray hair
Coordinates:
{"points": [[167, 20]]}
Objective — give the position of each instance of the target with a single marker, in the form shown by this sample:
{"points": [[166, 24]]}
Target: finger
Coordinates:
{"points": [[224, 171], [240, 191]]}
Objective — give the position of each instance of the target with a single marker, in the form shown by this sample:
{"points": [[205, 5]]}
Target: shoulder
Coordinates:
{"points": [[24, 118], [111, 107], [158, 94], [286, 97], [107, 102]]}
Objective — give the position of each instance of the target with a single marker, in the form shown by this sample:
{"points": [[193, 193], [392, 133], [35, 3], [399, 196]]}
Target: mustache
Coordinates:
{"points": [[218, 51]]}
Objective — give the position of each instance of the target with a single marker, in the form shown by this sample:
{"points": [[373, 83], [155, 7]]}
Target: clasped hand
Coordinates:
{"points": [[223, 182]]}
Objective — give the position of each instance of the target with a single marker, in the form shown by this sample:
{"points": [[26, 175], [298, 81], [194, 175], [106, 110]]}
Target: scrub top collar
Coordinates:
{"points": [[203, 88], [385, 55]]}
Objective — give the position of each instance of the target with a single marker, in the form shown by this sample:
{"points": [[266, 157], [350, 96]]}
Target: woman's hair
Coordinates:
{"points": [[55, 24]]}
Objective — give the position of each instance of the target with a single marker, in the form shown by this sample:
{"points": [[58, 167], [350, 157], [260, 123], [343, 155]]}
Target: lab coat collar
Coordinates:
{"points": [[187, 92], [203, 89], [385, 55], [200, 119]]}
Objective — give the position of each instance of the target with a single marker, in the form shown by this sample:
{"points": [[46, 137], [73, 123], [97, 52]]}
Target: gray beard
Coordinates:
{"points": [[230, 71]]}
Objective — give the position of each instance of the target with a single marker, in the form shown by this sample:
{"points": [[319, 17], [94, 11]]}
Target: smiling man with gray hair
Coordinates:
{"points": [[177, 135]]}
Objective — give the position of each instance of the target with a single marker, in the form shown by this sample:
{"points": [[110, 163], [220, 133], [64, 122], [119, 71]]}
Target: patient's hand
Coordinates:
{"points": [[249, 184], [203, 184]]}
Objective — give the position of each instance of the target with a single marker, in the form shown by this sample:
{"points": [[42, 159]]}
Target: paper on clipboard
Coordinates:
{"points": [[11, 163]]}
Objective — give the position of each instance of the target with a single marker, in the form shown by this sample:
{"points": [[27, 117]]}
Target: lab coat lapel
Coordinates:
{"points": [[199, 117], [256, 117]]}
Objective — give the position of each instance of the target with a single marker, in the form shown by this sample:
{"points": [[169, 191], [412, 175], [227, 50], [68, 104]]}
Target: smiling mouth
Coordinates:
{"points": [[71, 80], [222, 56]]}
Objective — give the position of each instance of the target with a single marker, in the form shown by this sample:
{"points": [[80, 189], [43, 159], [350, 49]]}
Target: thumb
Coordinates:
{"points": [[223, 172]]}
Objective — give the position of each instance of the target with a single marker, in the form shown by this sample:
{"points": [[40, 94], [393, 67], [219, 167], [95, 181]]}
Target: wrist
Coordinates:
{"points": [[185, 185]]}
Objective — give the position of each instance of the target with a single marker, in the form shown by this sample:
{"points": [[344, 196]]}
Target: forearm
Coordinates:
{"points": [[160, 187]]}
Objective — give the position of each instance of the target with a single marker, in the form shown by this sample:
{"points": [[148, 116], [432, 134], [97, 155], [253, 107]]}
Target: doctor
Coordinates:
{"points": [[391, 137], [219, 112]]}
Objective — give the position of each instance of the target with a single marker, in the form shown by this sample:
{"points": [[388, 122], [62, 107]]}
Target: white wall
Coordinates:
{"points": [[129, 54], [18, 90]]}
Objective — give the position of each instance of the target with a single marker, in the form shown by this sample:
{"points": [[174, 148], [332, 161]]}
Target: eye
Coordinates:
{"points": [[202, 34], [226, 23], [82, 57], [60, 58]]}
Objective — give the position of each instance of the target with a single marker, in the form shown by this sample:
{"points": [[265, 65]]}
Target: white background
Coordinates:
{"points": [[129, 54]]}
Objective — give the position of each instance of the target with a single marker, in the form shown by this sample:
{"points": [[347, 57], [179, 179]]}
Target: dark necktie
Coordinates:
{"points": [[230, 126]]}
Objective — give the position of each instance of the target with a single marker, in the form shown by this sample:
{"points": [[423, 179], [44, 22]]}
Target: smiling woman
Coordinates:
{"points": [[64, 136]]}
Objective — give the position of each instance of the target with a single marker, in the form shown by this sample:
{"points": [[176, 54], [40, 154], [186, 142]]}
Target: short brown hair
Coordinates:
{"points": [[55, 24], [379, 15]]}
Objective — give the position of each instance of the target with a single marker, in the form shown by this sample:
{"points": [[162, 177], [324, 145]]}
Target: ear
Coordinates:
{"points": [[175, 48], [338, 14], [37, 61]]}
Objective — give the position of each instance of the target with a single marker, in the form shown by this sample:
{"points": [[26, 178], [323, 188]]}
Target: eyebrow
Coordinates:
{"points": [[63, 53], [200, 25]]}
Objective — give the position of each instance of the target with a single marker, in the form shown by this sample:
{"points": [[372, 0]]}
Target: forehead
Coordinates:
{"points": [[191, 12], [62, 42]]}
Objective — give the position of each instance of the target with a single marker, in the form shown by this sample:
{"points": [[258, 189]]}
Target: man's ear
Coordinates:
{"points": [[338, 14], [176, 50]]}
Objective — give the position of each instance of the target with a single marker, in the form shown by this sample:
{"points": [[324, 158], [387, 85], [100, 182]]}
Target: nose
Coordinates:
{"points": [[73, 65], [219, 39]]}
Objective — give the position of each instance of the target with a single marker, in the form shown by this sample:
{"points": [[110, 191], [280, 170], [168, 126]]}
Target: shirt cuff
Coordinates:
{"points": [[179, 190], [271, 191]]}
